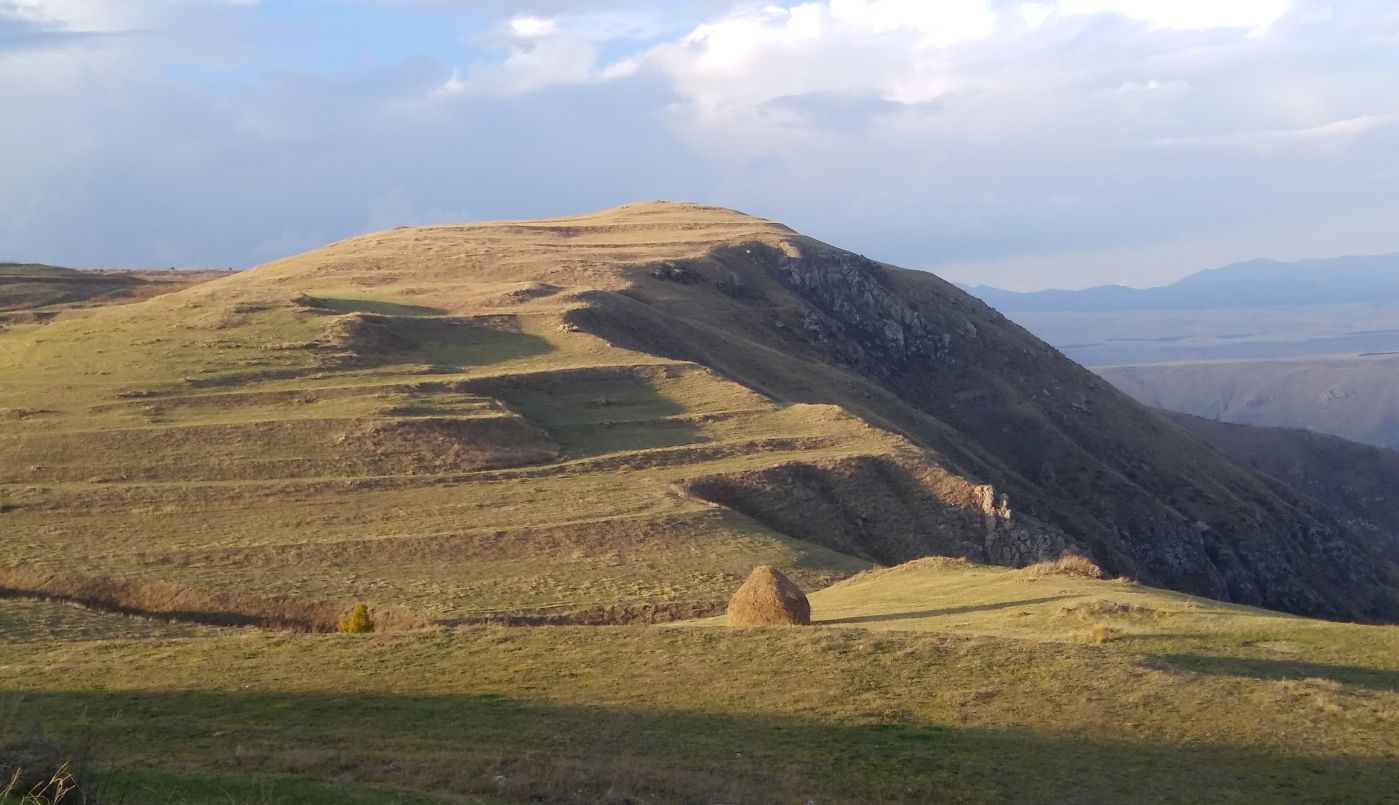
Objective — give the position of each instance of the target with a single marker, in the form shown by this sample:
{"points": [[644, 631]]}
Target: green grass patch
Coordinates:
{"points": [[688, 715], [383, 307]]}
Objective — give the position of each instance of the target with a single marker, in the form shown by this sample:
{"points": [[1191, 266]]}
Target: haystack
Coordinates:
{"points": [[769, 598]]}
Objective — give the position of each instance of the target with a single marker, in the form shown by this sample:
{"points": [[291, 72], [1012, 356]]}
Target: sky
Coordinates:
{"points": [[1063, 143]]}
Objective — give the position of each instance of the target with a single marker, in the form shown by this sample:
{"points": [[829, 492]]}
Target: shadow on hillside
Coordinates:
{"points": [[1255, 668], [376, 340], [523, 751], [379, 306], [595, 417], [933, 613]]}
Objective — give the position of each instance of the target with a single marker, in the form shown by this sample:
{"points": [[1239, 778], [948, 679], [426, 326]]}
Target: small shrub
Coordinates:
{"points": [[39, 774], [358, 621], [1070, 564], [1106, 609], [1103, 633]]}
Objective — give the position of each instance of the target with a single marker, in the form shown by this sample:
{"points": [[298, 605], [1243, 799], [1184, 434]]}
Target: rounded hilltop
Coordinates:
{"points": [[578, 250]]}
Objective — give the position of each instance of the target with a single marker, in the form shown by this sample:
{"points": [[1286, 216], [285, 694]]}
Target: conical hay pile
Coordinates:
{"points": [[769, 598]]}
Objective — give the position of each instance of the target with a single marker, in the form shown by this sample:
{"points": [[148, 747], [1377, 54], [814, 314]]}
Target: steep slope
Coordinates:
{"points": [[1356, 481], [622, 409]]}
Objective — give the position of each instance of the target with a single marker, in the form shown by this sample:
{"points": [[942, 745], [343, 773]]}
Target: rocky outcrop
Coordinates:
{"points": [[856, 317], [884, 509]]}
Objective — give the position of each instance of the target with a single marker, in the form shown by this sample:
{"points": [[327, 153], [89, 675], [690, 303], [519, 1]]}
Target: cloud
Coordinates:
{"points": [[1185, 14], [106, 15], [847, 112], [17, 33], [1347, 128], [1060, 142]]}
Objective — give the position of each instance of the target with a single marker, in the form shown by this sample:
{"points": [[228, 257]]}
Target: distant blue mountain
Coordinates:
{"points": [[1258, 283]]}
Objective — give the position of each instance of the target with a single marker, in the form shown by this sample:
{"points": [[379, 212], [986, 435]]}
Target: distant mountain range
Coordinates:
{"points": [[1257, 283], [1312, 344]]}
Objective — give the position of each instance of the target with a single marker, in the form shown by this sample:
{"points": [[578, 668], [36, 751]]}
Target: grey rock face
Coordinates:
{"points": [[857, 318]]}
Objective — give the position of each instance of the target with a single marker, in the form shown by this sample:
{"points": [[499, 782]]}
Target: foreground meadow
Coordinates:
{"points": [[1181, 701]]}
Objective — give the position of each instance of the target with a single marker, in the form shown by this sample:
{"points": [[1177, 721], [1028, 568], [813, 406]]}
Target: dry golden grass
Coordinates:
{"points": [[1071, 564], [1103, 633], [768, 598], [686, 715], [271, 447], [177, 602], [414, 419]]}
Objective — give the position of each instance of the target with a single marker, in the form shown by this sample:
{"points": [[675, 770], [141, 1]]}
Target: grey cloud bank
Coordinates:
{"points": [[1023, 145]]}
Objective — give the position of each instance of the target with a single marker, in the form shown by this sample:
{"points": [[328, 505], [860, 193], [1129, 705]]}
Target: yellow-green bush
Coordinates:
{"points": [[358, 621]]}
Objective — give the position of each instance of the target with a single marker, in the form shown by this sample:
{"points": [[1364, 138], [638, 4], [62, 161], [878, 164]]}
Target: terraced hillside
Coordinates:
{"points": [[610, 417]]}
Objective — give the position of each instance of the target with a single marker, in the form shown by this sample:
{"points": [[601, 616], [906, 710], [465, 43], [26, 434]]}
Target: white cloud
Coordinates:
{"points": [[540, 53], [1186, 14], [1003, 140], [528, 27], [1036, 13], [1330, 131], [940, 23], [1152, 85], [107, 15], [892, 49]]}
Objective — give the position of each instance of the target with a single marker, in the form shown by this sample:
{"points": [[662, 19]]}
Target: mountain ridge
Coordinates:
{"points": [[656, 359], [1253, 283]]}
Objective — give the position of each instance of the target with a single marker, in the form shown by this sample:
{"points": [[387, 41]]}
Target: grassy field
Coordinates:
{"points": [[416, 420], [956, 683]]}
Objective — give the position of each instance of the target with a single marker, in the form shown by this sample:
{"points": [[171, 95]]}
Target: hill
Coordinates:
{"points": [[600, 418], [32, 293], [1355, 397], [1257, 283], [1250, 311], [1240, 334], [1356, 481], [934, 681]]}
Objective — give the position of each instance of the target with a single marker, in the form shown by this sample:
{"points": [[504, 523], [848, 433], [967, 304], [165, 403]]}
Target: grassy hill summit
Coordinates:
{"points": [[621, 412]]}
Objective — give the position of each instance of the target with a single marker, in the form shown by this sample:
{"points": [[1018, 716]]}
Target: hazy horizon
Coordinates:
{"points": [[1062, 144]]}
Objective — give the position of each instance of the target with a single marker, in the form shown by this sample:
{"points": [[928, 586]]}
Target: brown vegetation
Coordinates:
{"points": [[769, 598], [1103, 633], [614, 615], [38, 773], [1070, 564], [178, 602], [1100, 609]]}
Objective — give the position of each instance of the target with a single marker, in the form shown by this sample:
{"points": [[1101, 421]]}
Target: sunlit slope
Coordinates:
{"points": [[409, 418], [630, 407], [1040, 603]]}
